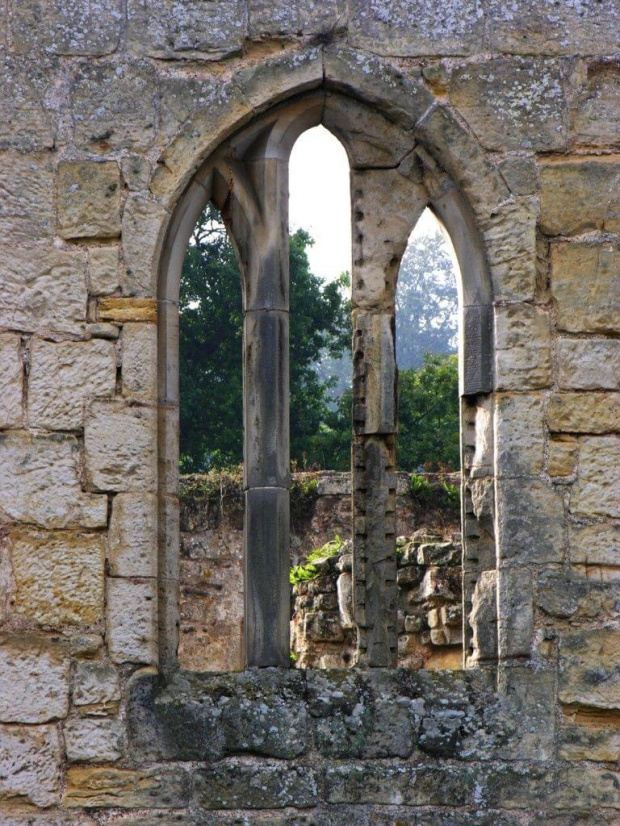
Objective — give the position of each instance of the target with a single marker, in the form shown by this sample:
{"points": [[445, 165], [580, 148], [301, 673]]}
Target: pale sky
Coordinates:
{"points": [[320, 201]]}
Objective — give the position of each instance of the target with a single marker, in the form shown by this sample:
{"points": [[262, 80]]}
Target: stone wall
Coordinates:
{"points": [[505, 118]]}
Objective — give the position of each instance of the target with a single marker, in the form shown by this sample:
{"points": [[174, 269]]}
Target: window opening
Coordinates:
{"points": [[429, 552]]}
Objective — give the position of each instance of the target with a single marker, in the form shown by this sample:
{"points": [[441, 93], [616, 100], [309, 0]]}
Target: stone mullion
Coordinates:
{"points": [[374, 488], [266, 413]]}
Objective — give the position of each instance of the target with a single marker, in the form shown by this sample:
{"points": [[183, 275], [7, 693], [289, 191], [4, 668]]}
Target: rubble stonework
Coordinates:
{"points": [[119, 120]]}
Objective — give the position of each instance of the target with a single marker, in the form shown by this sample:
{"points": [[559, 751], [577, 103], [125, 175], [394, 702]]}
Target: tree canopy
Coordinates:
{"points": [[211, 333]]}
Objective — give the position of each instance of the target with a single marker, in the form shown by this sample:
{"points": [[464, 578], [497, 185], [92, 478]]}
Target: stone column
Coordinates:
{"points": [[385, 205], [259, 217]]}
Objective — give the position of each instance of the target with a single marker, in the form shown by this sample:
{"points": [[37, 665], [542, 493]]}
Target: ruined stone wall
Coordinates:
{"points": [[108, 108]]}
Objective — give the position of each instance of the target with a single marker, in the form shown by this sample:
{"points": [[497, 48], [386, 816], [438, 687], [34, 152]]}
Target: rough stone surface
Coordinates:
{"points": [[590, 120], [585, 285], [588, 364], [194, 29], [133, 535], [490, 97], [144, 223], [120, 447], [26, 197], [39, 483], [58, 576], [597, 544], [259, 786], [580, 195], [115, 106], [35, 680], [126, 788], [531, 522], [96, 687], [75, 29], [89, 199], [295, 18], [44, 288], [63, 376], [598, 490], [93, 741], [523, 352], [519, 434], [140, 361], [588, 668], [131, 621], [562, 455], [103, 270], [11, 381], [584, 413], [27, 123], [384, 27], [30, 765]]}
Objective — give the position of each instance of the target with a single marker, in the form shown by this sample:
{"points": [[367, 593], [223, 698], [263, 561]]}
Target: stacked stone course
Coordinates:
{"points": [[510, 110]]}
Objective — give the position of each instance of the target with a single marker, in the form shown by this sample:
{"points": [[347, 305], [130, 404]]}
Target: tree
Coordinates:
{"points": [[211, 333], [428, 416], [426, 301]]}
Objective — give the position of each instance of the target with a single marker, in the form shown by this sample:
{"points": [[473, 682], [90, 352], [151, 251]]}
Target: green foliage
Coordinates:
{"points": [[420, 488], [211, 333], [428, 418], [453, 494], [308, 571]]}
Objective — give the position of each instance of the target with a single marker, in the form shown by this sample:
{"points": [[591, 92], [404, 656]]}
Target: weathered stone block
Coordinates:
{"points": [[262, 785], [523, 348], [121, 310], [510, 236], [93, 741], [34, 680], [192, 30], [103, 274], [585, 286], [43, 288], [376, 359], [589, 735], [139, 363], [584, 413], [588, 364], [385, 27], [39, 483], [159, 787], [120, 447], [531, 522], [144, 225], [11, 380], [30, 765], [295, 18], [89, 199], [402, 98], [464, 158], [515, 611], [519, 434], [597, 544], [580, 195], [597, 107], [206, 717], [58, 576], [521, 174], [23, 87], [131, 621], [133, 535], [562, 455], [136, 171], [26, 197], [588, 667], [114, 105], [74, 29], [96, 687], [528, 708], [63, 376], [513, 103], [597, 492], [285, 73], [483, 617], [523, 27], [399, 785]]}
